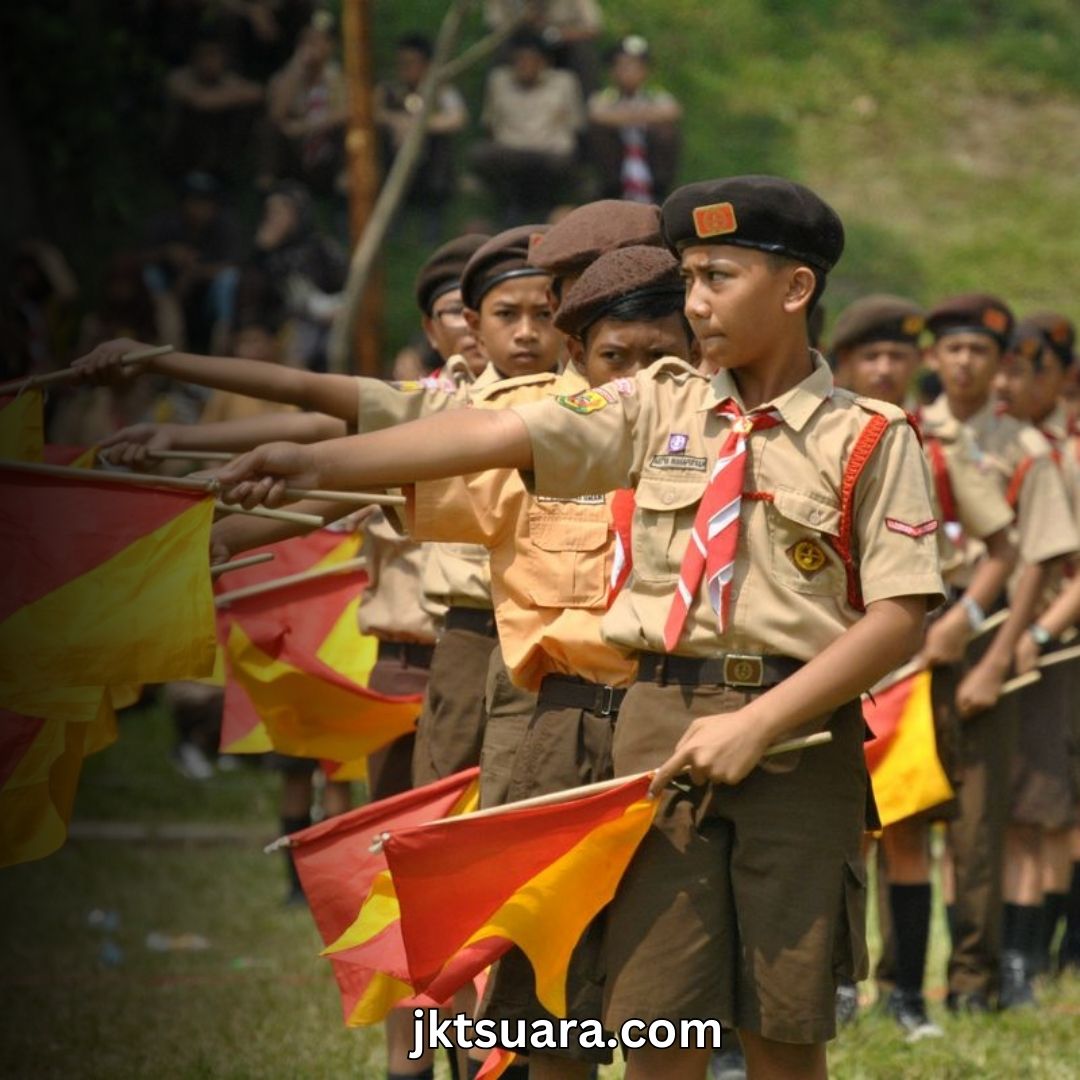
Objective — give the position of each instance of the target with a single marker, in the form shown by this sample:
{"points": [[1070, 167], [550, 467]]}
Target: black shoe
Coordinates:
{"points": [[908, 1009], [971, 1004], [1016, 991], [727, 1065], [847, 1004]]}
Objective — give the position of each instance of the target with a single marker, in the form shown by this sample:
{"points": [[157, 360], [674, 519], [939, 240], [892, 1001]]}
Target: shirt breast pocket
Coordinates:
{"points": [[803, 527], [568, 565], [661, 530]]}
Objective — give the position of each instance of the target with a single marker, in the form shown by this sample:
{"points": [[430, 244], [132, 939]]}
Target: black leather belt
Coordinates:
{"points": [[575, 693], [739, 670], [408, 652], [478, 620]]}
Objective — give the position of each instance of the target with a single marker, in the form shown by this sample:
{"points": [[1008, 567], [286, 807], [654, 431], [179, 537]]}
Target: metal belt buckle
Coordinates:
{"points": [[742, 670], [606, 701]]}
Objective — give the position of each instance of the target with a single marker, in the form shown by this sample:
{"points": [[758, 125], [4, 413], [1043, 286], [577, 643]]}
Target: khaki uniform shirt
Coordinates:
{"points": [[659, 433], [1044, 527], [391, 607], [551, 558], [1056, 427], [544, 118], [453, 575], [981, 508]]}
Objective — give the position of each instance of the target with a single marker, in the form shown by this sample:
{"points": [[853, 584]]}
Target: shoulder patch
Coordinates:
{"points": [[585, 402], [893, 413]]}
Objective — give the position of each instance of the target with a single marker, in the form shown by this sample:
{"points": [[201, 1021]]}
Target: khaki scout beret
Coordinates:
{"points": [[1060, 331], [878, 318], [501, 257], [764, 212], [593, 229], [972, 313], [443, 269], [627, 273]]}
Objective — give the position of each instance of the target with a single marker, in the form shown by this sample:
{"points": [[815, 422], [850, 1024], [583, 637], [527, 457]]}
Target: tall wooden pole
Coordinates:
{"points": [[361, 150]]}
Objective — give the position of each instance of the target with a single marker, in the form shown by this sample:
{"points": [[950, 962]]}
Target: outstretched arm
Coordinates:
{"points": [[449, 444], [335, 395]]}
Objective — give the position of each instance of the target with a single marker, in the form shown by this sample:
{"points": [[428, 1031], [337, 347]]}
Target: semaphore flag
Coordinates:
{"points": [[104, 583], [339, 871], [902, 758], [22, 426], [532, 876]]}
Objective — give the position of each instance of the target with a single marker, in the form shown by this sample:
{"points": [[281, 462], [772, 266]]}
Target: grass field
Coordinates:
{"points": [[79, 1001]]}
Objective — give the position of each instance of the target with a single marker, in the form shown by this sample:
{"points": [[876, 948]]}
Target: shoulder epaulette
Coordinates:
{"points": [[893, 413], [673, 366], [505, 387]]}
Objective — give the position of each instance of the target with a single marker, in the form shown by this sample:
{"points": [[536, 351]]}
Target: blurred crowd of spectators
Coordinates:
{"points": [[254, 115]]}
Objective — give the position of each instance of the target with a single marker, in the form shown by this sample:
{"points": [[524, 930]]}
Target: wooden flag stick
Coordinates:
{"points": [[347, 567], [1019, 682], [991, 622], [239, 564], [818, 738], [34, 382], [905, 671], [1059, 657], [187, 455], [295, 517]]}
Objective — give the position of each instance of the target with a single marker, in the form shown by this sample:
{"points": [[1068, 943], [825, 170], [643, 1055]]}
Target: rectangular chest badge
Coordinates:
{"points": [[715, 220], [679, 462]]}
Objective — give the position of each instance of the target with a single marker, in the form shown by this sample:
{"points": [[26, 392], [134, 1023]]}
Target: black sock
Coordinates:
{"points": [[950, 921], [426, 1074], [1070, 943], [515, 1072], [1053, 910], [452, 1062], [1008, 927], [910, 905], [1023, 929], [291, 825]]}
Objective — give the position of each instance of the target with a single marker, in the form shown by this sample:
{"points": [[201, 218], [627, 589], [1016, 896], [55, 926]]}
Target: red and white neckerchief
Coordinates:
{"points": [[715, 536], [622, 516]]}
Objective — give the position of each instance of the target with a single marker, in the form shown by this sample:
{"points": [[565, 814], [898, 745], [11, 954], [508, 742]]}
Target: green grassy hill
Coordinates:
{"points": [[946, 132]]}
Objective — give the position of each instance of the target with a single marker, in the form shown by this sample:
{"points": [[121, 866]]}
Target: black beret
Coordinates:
{"points": [[615, 277], [972, 313], [878, 318], [442, 271], [763, 212], [590, 230], [1061, 332], [504, 255], [1029, 340]]}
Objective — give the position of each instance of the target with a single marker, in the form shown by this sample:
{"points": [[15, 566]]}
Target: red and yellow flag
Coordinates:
{"points": [[22, 426], [338, 871], [532, 876], [103, 583], [495, 1064], [299, 659], [903, 761], [44, 737]]}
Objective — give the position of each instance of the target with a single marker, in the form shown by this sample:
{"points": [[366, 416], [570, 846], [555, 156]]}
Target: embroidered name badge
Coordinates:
{"points": [[715, 220], [585, 402], [577, 500], [807, 556], [902, 527], [681, 462], [677, 442]]}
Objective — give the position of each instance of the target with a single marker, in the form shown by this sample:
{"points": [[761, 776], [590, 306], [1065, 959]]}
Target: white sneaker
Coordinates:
{"points": [[191, 762]]}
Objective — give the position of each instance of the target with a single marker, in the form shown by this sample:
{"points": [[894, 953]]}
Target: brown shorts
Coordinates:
{"points": [[742, 903], [561, 748], [390, 769], [450, 730], [509, 709], [1040, 782]]}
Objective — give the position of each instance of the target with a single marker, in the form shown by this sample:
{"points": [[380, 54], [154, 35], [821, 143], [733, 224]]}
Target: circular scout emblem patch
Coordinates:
{"points": [[807, 556]]}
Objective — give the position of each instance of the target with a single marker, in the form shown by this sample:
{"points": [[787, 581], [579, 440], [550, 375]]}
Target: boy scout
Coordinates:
{"points": [[754, 481], [971, 334], [552, 564], [1041, 803], [876, 347]]}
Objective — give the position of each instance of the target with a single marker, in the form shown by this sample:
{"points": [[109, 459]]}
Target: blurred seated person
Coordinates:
{"points": [[255, 338], [397, 101], [304, 137], [570, 27], [38, 317], [209, 112], [634, 131], [295, 274], [534, 115], [261, 33], [191, 260]]}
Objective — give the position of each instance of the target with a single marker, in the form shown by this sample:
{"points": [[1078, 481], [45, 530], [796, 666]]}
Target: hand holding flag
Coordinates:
{"points": [[261, 477]]}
